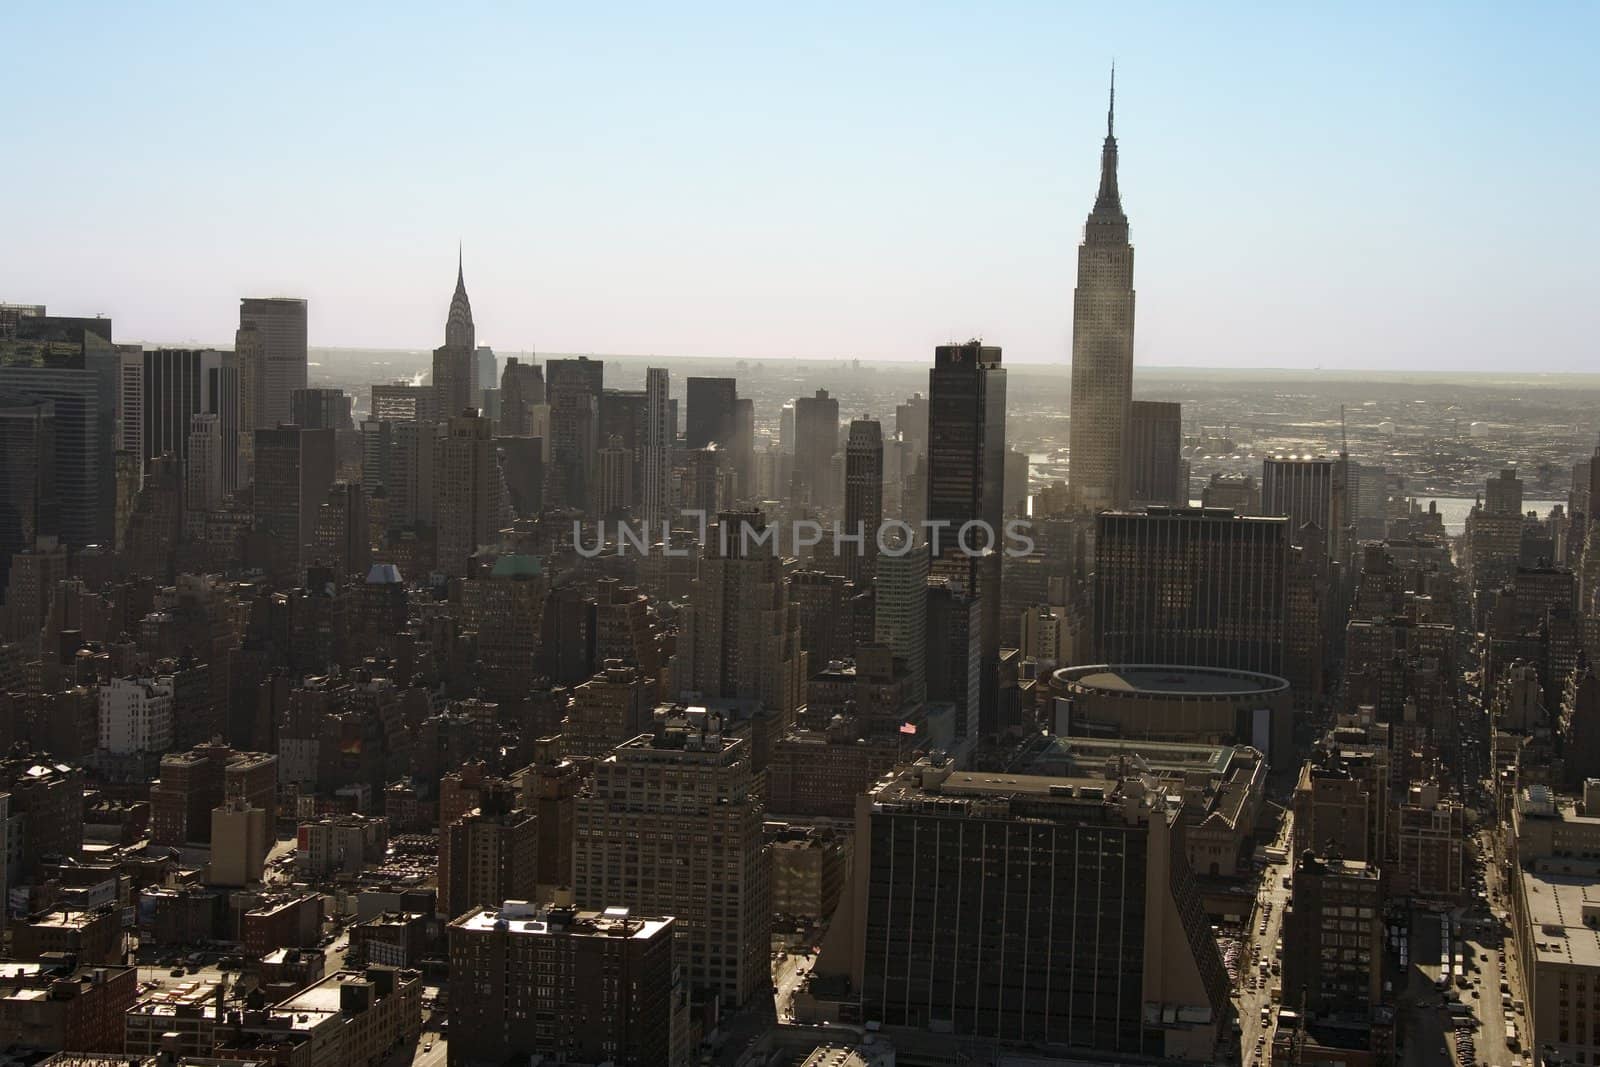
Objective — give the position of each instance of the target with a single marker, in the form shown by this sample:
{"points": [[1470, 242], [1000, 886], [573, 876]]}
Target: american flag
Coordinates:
{"points": [[908, 727]]}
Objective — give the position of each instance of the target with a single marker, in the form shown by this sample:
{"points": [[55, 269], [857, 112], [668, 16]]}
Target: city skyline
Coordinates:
{"points": [[655, 212]]}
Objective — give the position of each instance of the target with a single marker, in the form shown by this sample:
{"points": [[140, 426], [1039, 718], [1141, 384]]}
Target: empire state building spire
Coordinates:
{"points": [[1102, 343], [1108, 203]]}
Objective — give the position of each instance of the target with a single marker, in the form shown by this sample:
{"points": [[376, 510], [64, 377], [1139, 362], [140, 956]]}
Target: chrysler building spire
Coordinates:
{"points": [[458, 329]]}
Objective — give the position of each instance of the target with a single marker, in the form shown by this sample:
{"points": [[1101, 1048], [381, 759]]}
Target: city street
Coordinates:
{"points": [[1253, 990]]}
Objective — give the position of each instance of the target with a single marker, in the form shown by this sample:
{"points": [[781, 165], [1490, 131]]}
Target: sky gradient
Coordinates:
{"points": [[1348, 187]]}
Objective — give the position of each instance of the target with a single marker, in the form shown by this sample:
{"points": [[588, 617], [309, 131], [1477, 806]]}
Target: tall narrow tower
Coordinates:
{"points": [[658, 435], [455, 370], [1102, 342]]}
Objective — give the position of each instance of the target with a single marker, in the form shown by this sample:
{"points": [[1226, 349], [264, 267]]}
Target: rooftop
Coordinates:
{"points": [[520, 917], [1163, 679]]}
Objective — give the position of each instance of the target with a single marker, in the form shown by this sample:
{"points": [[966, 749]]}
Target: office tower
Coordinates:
{"points": [[900, 612], [911, 423], [1014, 496], [605, 991], [250, 360], [739, 638], [1308, 490], [467, 486], [658, 442], [816, 439], [863, 498], [1157, 473], [320, 409], [488, 854], [404, 402], [181, 383], [1089, 932], [573, 387], [702, 490], [509, 607], [343, 541], [612, 707], [954, 653], [73, 364], [28, 506], [1240, 494], [1191, 586], [155, 524], [621, 426], [710, 418], [670, 824], [487, 365], [130, 402], [203, 469], [523, 411], [136, 715], [786, 429], [294, 470], [280, 344], [521, 462], [1333, 937], [1102, 343], [614, 478], [455, 364], [743, 447], [966, 476]]}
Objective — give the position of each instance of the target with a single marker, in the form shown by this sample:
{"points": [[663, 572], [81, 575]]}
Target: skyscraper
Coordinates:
{"points": [[740, 636], [573, 387], [1308, 490], [1195, 586], [670, 824], [180, 383], [900, 612], [1102, 342], [280, 347], [455, 364], [294, 470], [710, 418], [863, 498], [28, 507], [523, 412], [1157, 473], [966, 483], [467, 484], [321, 409], [816, 439], [657, 451]]}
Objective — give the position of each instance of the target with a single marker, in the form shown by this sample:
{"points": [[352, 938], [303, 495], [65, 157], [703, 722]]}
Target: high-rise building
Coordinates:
{"points": [[1333, 937], [28, 506], [136, 715], [180, 383], [710, 418], [73, 364], [280, 344], [573, 387], [523, 411], [343, 539], [130, 402], [1089, 932], [863, 498], [1102, 343], [467, 484], [658, 441], [489, 853], [404, 402], [1195, 586], [816, 439], [508, 606], [321, 409], [671, 824], [739, 638], [900, 611], [203, 469], [294, 470], [1308, 490], [455, 364], [1157, 473], [966, 484], [488, 373], [954, 653], [612, 707], [605, 988]]}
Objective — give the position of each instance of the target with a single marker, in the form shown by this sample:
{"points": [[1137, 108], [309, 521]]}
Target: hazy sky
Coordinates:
{"points": [[1345, 185]]}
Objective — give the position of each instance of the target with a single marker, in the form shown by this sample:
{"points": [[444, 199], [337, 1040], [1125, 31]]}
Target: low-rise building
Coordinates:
{"points": [[52, 1005], [573, 986], [90, 936], [293, 922], [348, 1019], [180, 1018]]}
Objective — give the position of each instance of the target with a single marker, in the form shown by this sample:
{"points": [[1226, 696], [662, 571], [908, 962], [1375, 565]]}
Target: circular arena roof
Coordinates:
{"points": [[1167, 680]]}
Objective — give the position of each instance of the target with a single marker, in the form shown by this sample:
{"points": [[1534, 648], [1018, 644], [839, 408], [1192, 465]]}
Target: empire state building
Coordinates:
{"points": [[1102, 343]]}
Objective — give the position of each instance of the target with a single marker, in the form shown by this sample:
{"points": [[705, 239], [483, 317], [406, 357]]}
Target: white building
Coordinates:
{"points": [[136, 715]]}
